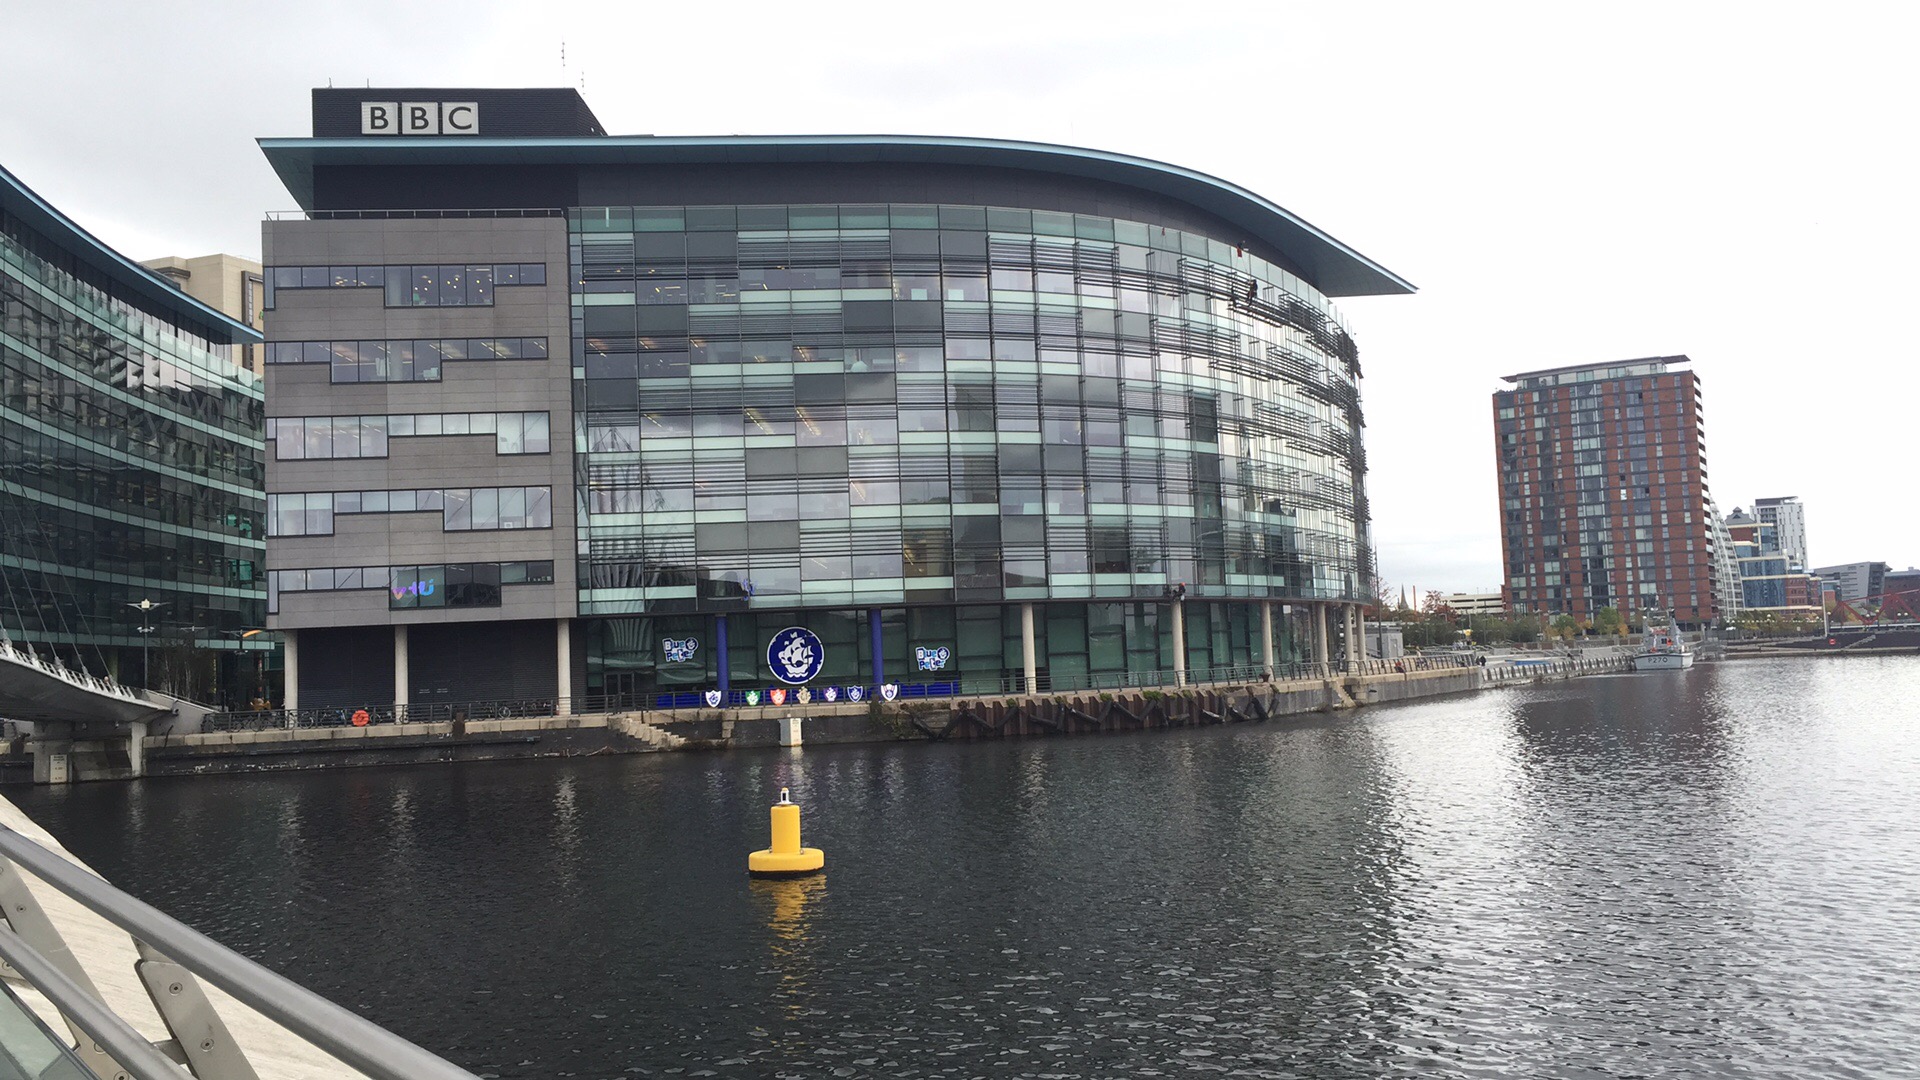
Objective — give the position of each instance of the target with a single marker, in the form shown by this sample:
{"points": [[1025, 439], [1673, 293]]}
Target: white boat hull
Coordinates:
{"points": [[1663, 661]]}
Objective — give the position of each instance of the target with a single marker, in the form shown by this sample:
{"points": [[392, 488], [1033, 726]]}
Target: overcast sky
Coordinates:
{"points": [[1566, 184]]}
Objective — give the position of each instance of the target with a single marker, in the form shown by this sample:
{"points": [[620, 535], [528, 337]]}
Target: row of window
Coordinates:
{"points": [[451, 585], [438, 285], [311, 513], [400, 361], [313, 438]]}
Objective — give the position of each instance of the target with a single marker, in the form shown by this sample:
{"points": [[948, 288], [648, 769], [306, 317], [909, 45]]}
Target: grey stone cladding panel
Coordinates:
{"points": [[467, 386]]}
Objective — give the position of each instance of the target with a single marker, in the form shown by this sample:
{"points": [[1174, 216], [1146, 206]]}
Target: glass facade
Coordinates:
{"points": [[131, 464], [937, 413]]}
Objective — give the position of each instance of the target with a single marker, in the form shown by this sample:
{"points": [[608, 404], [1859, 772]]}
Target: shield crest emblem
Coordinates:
{"points": [[889, 691], [856, 693], [713, 699], [803, 695], [753, 697], [830, 694], [777, 695]]}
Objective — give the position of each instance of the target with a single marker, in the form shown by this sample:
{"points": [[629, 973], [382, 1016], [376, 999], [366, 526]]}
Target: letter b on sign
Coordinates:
{"points": [[379, 118], [419, 118]]}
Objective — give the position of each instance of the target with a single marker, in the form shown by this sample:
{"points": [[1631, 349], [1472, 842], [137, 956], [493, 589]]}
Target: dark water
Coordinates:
{"points": [[1712, 873]]}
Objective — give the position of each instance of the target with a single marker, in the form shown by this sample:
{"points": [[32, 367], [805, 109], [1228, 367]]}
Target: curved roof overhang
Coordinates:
{"points": [[1333, 267], [143, 284]]}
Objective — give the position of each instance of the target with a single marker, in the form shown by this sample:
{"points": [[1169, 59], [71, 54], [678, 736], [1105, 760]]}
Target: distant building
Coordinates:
{"points": [[1726, 570], [1789, 521], [1603, 488], [1768, 581], [1902, 592], [226, 283], [1476, 603], [1855, 581]]}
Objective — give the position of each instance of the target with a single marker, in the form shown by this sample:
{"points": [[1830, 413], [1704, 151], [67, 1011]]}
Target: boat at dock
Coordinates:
{"points": [[1662, 647]]}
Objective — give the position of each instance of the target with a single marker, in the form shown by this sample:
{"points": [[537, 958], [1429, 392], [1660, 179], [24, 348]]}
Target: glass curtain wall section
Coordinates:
{"points": [[131, 468], [841, 407]]}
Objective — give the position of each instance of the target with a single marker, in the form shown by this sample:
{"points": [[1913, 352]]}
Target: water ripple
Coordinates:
{"points": [[1698, 874]]}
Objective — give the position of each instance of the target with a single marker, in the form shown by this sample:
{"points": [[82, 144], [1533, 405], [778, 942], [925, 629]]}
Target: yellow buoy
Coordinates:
{"points": [[784, 857]]}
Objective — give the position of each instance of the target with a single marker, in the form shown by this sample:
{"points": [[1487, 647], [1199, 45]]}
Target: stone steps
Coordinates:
{"points": [[657, 737]]}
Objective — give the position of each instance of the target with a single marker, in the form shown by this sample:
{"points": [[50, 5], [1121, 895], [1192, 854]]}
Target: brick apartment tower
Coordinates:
{"points": [[1603, 491]]}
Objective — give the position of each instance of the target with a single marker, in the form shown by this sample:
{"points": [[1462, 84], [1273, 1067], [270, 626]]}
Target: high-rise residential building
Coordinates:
{"points": [[1769, 581], [228, 284], [1726, 568], [1855, 581], [1603, 489], [130, 462], [1789, 521], [556, 414]]}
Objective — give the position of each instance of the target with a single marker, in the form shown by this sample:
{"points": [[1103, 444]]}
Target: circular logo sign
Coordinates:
{"points": [[794, 655]]}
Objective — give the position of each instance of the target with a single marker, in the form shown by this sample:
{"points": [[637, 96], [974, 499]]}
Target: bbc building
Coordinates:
{"points": [[611, 420]]}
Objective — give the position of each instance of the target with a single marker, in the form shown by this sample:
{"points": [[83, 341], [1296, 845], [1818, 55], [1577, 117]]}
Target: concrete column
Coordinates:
{"points": [[137, 748], [402, 669], [722, 657], [1179, 643], [1028, 659], [1320, 634], [52, 750], [1360, 630], [1266, 639], [291, 699], [563, 667]]}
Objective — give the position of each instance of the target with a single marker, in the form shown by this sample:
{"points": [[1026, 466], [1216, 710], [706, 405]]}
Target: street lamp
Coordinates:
{"points": [[146, 608]]}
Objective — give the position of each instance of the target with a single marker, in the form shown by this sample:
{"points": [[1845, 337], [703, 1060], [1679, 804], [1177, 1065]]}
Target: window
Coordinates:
{"points": [[440, 285], [315, 438], [400, 361]]}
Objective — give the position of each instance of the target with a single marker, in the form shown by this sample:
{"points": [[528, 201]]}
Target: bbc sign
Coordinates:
{"points": [[419, 118]]}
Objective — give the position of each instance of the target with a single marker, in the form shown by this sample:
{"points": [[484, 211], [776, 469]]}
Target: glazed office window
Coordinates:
{"points": [[358, 578], [315, 438], [461, 509], [400, 361], [413, 285], [973, 393]]}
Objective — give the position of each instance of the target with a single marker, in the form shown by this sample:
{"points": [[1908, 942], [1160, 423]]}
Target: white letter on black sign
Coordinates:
{"points": [[419, 118], [460, 118], [379, 118]]}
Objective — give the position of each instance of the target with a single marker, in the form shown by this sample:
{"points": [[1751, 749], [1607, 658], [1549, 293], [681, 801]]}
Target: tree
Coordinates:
{"points": [[1565, 625], [1608, 621], [1524, 629]]}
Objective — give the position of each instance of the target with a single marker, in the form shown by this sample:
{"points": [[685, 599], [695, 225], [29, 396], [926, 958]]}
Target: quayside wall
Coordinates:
{"points": [[962, 718]]}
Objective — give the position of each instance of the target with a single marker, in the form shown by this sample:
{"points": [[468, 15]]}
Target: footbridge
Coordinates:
{"points": [[75, 715]]}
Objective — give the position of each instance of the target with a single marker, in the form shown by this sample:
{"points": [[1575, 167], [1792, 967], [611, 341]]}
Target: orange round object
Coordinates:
{"points": [[360, 718]]}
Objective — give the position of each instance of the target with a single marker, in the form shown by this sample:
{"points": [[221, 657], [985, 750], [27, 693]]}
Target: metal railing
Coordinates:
{"points": [[172, 955], [1524, 669], [52, 666], [378, 715]]}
